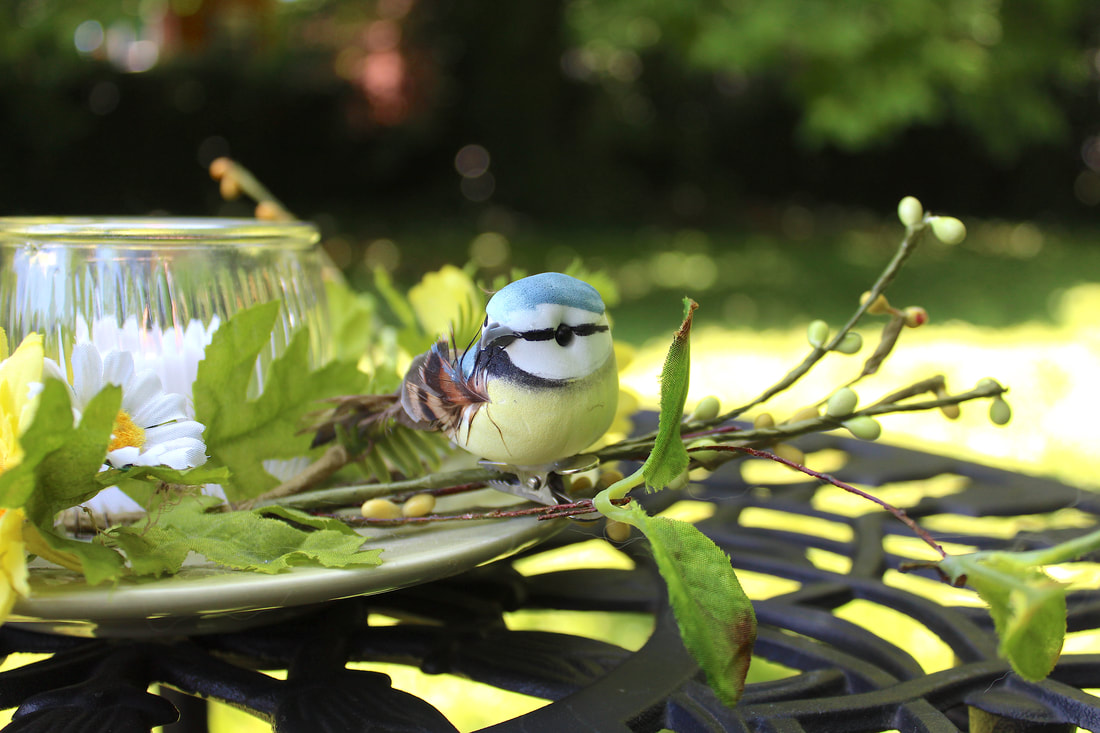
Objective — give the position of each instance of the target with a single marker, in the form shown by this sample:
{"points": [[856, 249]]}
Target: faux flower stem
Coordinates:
{"points": [[608, 502], [352, 495], [748, 436], [560, 511], [241, 180], [896, 511], [908, 245], [331, 461]]}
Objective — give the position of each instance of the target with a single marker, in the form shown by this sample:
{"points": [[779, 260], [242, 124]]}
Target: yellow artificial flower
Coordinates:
{"points": [[448, 298], [13, 560], [17, 373]]}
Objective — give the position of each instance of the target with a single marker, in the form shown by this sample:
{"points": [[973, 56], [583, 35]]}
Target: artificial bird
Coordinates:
{"points": [[537, 387]]}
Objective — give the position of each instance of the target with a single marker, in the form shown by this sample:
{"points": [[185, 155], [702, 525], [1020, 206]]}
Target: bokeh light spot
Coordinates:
{"points": [[88, 36], [382, 253], [490, 250], [472, 161]]}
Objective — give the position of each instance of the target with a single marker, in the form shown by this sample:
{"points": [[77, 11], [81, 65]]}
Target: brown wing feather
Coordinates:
{"points": [[437, 394]]}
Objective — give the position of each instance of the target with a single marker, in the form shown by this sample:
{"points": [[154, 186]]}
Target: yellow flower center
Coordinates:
{"points": [[125, 434]]}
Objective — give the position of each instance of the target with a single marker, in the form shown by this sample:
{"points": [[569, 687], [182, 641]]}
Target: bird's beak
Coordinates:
{"points": [[494, 334]]}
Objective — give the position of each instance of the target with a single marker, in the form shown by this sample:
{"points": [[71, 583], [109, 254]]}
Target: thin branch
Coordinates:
{"points": [[559, 511], [896, 511], [235, 179], [749, 436], [908, 244], [357, 494], [333, 459]]}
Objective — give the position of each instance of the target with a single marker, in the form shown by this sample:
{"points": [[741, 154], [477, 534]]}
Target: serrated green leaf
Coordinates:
{"points": [[266, 540], [98, 563], [241, 433], [52, 424], [227, 367], [65, 477], [140, 483], [669, 458], [59, 469], [716, 619], [1027, 606]]}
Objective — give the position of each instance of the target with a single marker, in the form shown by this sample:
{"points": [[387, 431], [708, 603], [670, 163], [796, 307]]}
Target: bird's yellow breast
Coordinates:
{"points": [[531, 426]]}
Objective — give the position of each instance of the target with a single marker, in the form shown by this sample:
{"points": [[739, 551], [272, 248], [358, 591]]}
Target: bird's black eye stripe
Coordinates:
{"points": [[559, 333], [542, 334], [587, 329]]}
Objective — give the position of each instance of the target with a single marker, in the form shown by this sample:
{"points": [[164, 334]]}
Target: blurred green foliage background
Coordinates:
{"points": [[750, 154], [767, 142]]}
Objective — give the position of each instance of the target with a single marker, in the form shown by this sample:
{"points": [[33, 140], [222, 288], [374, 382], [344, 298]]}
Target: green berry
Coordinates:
{"points": [[617, 531], [910, 211], [999, 411], [763, 421], [948, 229], [810, 412], [850, 344], [708, 458], [380, 509], [418, 505], [863, 427], [841, 403], [707, 409], [817, 333]]}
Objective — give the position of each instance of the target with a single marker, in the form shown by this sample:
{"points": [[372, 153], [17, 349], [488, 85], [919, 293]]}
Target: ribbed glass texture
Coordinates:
{"points": [[147, 280]]}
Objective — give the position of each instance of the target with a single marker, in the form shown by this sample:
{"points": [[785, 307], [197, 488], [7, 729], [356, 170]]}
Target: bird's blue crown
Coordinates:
{"points": [[549, 287]]}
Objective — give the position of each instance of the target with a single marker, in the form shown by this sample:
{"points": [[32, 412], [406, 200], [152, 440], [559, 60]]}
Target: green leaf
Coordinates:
{"points": [[98, 562], [65, 476], [265, 540], [411, 336], [353, 320], [240, 432], [52, 424], [1027, 606], [716, 619], [141, 483], [669, 458]]}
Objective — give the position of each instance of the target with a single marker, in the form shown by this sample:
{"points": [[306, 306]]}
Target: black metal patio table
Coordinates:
{"points": [[843, 676]]}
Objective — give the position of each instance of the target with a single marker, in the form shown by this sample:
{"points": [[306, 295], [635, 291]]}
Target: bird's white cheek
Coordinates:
{"points": [[584, 355]]}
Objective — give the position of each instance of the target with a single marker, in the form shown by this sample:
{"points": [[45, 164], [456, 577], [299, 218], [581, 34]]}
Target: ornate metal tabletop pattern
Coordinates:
{"points": [[843, 677]]}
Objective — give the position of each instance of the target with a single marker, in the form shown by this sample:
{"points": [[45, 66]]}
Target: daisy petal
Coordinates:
{"points": [[173, 431], [179, 454], [118, 366], [125, 456], [161, 408], [87, 374], [139, 389]]}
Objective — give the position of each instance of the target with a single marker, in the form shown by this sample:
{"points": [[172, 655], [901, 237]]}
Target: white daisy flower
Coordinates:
{"points": [[173, 354], [152, 427]]}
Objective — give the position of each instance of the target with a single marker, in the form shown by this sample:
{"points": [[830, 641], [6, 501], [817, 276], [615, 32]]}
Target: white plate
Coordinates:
{"points": [[204, 598]]}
